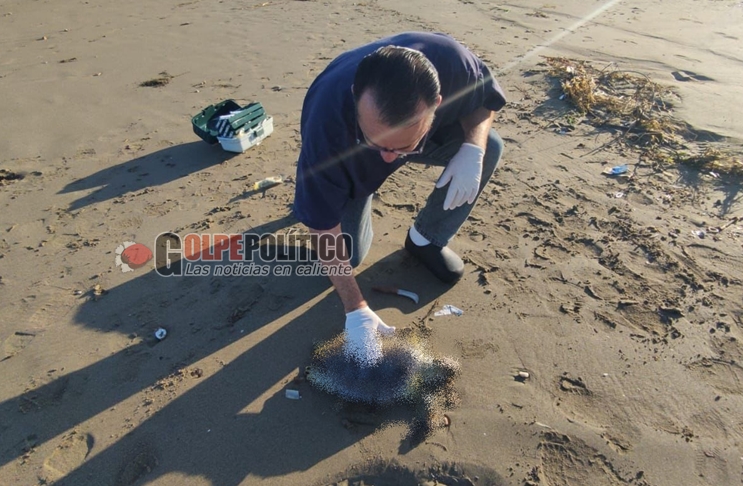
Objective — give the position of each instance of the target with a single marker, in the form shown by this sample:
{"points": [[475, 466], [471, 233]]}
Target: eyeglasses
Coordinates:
{"points": [[361, 141]]}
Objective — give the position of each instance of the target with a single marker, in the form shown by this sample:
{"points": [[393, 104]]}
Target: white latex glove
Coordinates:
{"points": [[362, 340], [463, 171]]}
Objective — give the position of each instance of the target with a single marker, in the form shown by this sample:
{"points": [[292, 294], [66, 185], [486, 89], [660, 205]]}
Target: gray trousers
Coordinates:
{"points": [[433, 222]]}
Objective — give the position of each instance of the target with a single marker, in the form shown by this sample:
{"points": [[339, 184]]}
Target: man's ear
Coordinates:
{"points": [[438, 100]]}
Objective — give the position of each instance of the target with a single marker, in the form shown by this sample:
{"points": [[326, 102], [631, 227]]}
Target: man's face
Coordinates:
{"points": [[392, 142]]}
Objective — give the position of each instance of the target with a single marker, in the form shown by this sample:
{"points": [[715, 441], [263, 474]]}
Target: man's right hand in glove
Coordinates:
{"points": [[362, 340]]}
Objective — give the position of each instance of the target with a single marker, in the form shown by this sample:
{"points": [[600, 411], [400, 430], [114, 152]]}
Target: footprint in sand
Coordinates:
{"points": [[141, 462], [15, 344], [578, 403], [68, 456], [476, 348], [575, 400], [712, 464], [568, 461], [722, 375], [41, 396], [706, 259], [574, 385], [553, 251]]}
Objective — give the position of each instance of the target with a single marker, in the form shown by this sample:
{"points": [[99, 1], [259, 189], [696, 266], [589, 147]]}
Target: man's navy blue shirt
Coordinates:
{"points": [[332, 169]]}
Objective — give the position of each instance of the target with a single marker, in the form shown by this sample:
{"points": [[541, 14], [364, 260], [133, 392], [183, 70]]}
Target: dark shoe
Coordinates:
{"points": [[442, 262]]}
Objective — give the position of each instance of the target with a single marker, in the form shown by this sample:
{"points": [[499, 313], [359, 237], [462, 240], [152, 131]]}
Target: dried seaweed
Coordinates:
{"points": [[163, 79], [6, 177], [642, 110], [715, 160], [619, 98]]}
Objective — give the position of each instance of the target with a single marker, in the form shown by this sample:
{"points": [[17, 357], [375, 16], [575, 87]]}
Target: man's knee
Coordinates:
{"points": [[358, 253], [493, 153]]}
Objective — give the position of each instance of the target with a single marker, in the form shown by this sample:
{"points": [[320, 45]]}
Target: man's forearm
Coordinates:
{"points": [[349, 292], [344, 282], [476, 127]]}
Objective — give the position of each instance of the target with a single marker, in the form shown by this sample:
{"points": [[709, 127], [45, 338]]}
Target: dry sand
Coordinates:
{"points": [[629, 323]]}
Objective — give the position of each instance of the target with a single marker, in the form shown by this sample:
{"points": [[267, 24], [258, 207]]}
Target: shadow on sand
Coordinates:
{"points": [[206, 431], [154, 169]]}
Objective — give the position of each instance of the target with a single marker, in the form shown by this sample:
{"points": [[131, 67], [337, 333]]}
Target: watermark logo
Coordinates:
{"points": [[251, 255], [131, 255]]}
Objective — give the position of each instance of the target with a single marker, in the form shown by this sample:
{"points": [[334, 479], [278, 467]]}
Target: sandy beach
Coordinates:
{"points": [[600, 341]]}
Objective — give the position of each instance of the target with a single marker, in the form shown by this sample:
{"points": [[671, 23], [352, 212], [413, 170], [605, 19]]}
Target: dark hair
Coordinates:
{"points": [[400, 79]]}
